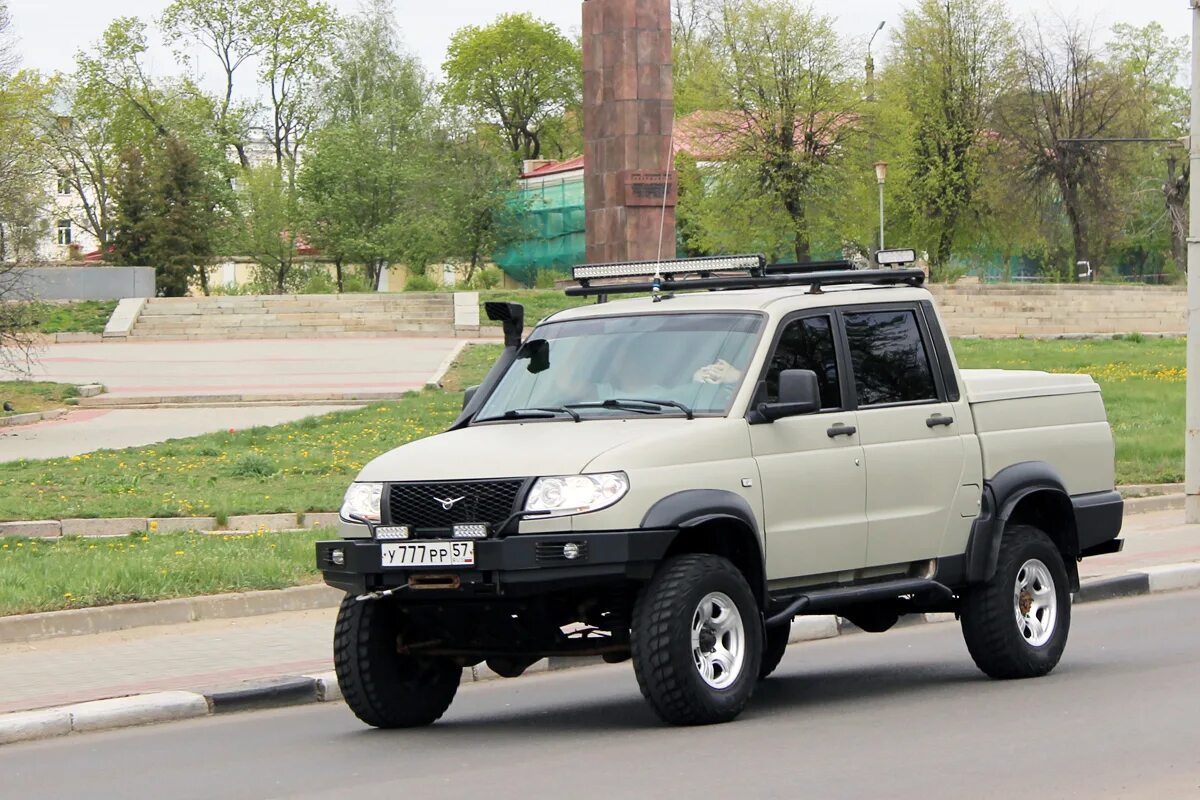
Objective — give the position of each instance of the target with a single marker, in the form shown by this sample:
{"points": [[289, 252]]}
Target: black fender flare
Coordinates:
{"points": [[1002, 494], [693, 508]]}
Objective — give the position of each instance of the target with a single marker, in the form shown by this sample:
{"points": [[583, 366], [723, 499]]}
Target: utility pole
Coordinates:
{"points": [[1192, 441]]}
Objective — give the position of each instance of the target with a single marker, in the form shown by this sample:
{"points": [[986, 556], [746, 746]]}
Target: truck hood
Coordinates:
{"points": [[524, 449]]}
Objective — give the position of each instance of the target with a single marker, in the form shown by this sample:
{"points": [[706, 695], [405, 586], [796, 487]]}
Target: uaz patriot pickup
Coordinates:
{"points": [[673, 478]]}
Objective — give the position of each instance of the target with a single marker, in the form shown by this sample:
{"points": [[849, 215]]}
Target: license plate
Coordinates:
{"points": [[427, 554]]}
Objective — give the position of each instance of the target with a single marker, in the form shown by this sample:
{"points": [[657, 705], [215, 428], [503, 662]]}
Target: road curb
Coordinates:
{"points": [[106, 619], [291, 690]]}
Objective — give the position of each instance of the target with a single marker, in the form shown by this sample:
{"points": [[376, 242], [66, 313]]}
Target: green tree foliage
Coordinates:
{"points": [[166, 216], [361, 184], [270, 227], [23, 196], [134, 199], [793, 98], [475, 207], [519, 74], [952, 58], [292, 38], [225, 29]]}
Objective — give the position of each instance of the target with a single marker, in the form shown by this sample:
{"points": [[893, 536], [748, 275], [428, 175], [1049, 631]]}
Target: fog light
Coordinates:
{"points": [[471, 530], [337, 557], [570, 551], [392, 532]]}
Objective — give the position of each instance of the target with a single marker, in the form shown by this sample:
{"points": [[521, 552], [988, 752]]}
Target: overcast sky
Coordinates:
{"points": [[51, 31]]}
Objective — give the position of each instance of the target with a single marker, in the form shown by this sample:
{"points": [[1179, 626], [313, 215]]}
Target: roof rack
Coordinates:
{"points": [[737, 272]]}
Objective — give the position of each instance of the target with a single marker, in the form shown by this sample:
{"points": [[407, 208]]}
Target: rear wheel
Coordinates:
{"points": [[384, 687], [696, 640], [774, 646], [1016, 624]]}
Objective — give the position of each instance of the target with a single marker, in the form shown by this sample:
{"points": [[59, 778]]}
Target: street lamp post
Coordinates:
{"points": [[1192, 439], [881, 177], [871, 63]]}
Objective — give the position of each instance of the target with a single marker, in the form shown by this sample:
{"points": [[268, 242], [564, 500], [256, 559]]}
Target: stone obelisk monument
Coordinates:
{"points": [[629, 184]]}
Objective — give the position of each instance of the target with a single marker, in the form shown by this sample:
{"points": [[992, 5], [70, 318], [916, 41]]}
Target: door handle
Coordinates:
{"points": [[938, 419], [841, 430]]}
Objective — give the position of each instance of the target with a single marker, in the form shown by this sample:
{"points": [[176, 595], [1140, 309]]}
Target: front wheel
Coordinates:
{"points": [[384, 687], [1016, 624], [696, 640]]}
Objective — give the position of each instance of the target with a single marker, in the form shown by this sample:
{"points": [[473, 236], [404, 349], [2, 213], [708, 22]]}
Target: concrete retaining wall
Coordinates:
{"points": [[88, 283], [1049, 309]]}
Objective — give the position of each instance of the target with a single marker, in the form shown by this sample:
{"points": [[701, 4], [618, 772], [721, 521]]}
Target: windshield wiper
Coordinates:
{"points": [[534, 413], [637, 404]]}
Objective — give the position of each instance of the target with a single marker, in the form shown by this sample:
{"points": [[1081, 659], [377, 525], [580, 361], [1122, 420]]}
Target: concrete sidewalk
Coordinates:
{"points": [[201, 656]]}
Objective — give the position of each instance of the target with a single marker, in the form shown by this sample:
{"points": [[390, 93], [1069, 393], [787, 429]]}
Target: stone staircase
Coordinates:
{"points": [[430, 314]]}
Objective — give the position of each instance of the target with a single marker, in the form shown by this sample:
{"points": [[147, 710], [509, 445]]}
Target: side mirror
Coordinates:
{"points": [[513, 317], [799, 393], [538, 353], [469, 393]]}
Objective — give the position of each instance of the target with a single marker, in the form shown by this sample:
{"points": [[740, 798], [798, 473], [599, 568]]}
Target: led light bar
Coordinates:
{"points": [[471, 530], [890, 258], [630, 269], [392, 532]]}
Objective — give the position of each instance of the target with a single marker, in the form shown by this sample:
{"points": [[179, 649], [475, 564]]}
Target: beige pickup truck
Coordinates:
{"points": [[674, 478]]}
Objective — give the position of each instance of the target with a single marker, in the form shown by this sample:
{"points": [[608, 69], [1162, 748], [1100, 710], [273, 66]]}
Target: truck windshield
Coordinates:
{"points": [[691, 363]]}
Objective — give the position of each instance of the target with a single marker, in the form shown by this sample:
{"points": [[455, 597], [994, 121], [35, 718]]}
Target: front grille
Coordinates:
{"points": [[419, 505]]}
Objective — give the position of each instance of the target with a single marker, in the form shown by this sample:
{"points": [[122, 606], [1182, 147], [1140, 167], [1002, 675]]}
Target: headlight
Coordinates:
{"points": [[576, 494], [363, 501]]}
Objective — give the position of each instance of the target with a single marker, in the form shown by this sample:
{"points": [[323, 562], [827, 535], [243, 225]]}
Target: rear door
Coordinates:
{"points": [[810, 466], [909, 429]]}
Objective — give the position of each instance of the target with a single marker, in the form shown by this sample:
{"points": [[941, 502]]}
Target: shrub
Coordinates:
{"points": [[253, 465], [420, 283]]}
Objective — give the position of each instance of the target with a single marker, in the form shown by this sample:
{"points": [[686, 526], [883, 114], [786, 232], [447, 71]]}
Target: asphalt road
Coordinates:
{"points": [[898, 715]]}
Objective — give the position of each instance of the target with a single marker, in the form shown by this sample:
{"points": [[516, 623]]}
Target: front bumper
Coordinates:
{"points": [[517, 564]]}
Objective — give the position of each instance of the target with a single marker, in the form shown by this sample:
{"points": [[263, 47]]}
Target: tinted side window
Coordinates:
{"points": [[889, 358], [807, 344]]}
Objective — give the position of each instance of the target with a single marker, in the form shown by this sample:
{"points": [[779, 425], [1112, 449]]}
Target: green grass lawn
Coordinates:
{"points": [[80, 316], [305, 465], [28, 396], [1142, 381], [48, 575]]}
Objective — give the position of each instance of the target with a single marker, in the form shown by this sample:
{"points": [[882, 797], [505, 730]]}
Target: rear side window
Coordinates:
{"points": [[890, 362], [807, 344]]}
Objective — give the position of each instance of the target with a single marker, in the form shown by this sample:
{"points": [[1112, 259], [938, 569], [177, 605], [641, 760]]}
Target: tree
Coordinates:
{"points": [[270, 226], [519, 74], [134, 197], [23, 195], [1066, 92], [952, 57], [788, 77], [293, 38], [226, 29], [362, 199], [478, 215], [184, 233]]}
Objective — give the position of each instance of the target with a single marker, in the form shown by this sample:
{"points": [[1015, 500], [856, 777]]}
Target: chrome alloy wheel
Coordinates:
{"points": [[718, 640], [1035, 602]]}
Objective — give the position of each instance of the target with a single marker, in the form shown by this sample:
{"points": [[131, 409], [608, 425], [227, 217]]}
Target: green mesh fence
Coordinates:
{"points": [[555, 231]]}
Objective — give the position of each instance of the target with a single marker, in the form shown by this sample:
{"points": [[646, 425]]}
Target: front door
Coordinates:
{"points": [[811, 466], [910, 433]]}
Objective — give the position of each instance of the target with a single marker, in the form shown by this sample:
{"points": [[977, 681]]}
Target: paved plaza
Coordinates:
{"points": [[290, 367]]}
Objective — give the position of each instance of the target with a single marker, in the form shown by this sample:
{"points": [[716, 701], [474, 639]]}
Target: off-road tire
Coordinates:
{"points": [[382, 687], [989, 622], [661, 640], [774, 646]]}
